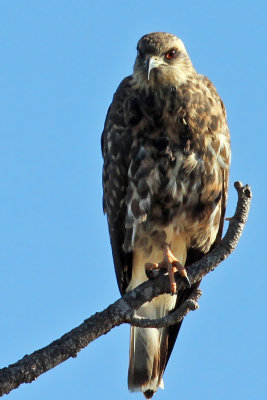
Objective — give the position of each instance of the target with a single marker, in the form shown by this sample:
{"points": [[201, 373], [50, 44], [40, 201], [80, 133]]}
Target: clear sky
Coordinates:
{"points": [[61, 61]]}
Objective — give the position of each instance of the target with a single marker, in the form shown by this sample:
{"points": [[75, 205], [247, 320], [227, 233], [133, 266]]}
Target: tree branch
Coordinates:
{"points": [[122, 311], [190, 304]]}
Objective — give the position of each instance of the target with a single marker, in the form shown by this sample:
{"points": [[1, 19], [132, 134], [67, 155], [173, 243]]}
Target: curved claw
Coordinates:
{"points": [[187, 281], [172, 265]]}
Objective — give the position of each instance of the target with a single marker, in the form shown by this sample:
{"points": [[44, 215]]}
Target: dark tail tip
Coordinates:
{"points": [[148, 394]]}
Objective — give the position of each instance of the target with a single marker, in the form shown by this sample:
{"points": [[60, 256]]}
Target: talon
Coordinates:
{"points": [[151, 266], [170, 270], [173, 288], [172, 265], [182, 271], [152, 270], [188, 284]]}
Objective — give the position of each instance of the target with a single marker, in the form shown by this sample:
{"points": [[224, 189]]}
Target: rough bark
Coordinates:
{"points": [[123, 310]]}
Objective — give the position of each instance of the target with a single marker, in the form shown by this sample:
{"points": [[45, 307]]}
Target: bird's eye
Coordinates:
{"points": [[171, 54]]}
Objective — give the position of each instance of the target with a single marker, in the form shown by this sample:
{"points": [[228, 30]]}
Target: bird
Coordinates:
{"points": [[166, 152]]}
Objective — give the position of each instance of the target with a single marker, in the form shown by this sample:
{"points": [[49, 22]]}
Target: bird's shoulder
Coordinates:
{"points": [[204, 111], [123, 114], [211, 89]]}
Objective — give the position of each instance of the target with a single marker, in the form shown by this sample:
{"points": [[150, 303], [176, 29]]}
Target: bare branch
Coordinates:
{"points": [[31, 366], [190, 304]]}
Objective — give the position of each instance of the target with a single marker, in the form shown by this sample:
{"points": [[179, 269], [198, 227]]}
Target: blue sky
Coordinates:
{"points": [[61, 62]]}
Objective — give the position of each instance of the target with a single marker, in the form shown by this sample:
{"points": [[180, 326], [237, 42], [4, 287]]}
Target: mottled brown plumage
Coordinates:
{"points": [[166, 152]]}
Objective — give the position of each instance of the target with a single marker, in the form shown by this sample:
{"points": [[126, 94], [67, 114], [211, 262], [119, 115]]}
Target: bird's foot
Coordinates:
{"points": [[172, 265]]}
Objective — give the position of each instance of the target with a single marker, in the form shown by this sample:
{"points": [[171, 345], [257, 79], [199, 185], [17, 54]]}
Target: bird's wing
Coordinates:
{"points": [[226, 157], [116, 142], [194, 255]]}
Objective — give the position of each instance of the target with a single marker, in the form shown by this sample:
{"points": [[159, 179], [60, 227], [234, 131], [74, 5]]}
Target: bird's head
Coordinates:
{"points": [[162, 59]]}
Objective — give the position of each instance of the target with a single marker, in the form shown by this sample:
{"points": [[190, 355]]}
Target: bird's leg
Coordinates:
{"points": [[172, 265]]}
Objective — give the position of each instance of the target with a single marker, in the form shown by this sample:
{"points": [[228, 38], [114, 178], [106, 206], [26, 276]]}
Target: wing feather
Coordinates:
{"points": [[115, 143], [194, 255]]}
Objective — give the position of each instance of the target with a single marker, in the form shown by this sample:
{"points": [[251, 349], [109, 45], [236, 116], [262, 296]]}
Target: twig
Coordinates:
{"points": [[31, 366], [190, 304]]}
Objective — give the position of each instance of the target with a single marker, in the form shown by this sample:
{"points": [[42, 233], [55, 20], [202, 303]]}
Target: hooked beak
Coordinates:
{"points": [[152, 62]]}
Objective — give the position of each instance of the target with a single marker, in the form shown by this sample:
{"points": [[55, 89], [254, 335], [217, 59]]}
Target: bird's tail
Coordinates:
{"points": [[149, 348]]}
